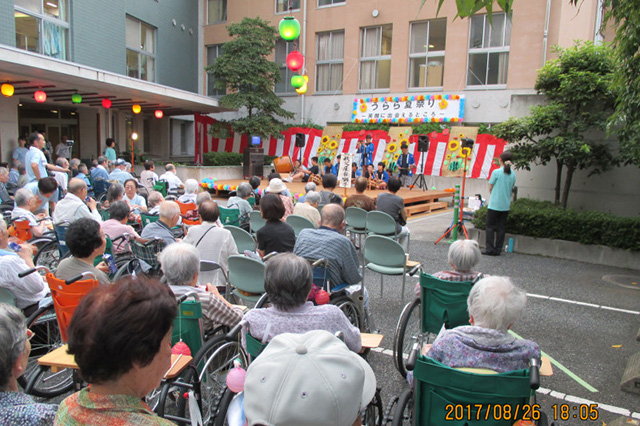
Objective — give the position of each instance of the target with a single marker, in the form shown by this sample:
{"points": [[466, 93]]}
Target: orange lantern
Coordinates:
{"points": [[136, 109], [7, 90], [159, 113], [40, 96]]}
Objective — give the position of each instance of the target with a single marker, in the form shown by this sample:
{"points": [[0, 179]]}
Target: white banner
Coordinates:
{"points": [[409, 109], [344, 171]]}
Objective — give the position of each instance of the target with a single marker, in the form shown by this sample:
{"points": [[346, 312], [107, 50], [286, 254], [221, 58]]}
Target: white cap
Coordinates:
{"points": [[307, 379]]}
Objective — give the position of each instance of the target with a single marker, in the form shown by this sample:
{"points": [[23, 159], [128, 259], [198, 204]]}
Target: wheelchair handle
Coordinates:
{"points": [[233, 333], [415, 269], [413, 357], [534, 374], [319, 262], [79, 277], [32, 270], [186, 296]]}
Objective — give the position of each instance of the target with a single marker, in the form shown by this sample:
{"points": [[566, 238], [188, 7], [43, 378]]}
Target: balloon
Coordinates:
{"points": [[181, 348]]}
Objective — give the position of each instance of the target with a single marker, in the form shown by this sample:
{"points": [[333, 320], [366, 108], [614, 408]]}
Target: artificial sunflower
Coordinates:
{"points": [[396, 156], [454, 145], [392, 147], [333, 145], [448, 156], [404, 142], [465, 152], [325, 139], [363, 107]]}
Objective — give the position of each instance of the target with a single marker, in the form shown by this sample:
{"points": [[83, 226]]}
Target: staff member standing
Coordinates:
{"points": [[501, 185]]}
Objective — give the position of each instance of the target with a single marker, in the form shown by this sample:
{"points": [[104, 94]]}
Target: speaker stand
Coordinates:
{"points": [[419, 179]]}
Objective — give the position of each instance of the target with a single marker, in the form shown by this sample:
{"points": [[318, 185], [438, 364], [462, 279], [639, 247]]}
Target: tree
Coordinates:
{"points": [[249, 78], [577, 86]]}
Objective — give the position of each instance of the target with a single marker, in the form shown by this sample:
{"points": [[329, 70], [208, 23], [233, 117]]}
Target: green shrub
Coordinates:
{"points": [[223, 159], [542, 219], [268, 159]]}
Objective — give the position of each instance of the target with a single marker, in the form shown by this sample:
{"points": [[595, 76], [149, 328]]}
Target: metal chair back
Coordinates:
{"points": [[257, 221], [380, 223], [298, 223], [246, 275]]}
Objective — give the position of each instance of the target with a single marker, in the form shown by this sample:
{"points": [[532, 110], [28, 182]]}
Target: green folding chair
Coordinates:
{"points": [[356, 219], [247, 276], [386, 257], [380, 223], [256, 221], [229, 216], [244, 240], [298, 223]]}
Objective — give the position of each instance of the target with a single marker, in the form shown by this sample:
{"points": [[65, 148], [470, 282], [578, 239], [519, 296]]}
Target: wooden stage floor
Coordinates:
{"points": [[416, 200]]}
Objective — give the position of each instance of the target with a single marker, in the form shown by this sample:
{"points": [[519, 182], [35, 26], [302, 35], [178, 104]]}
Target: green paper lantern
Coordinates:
{"points": [[289, 29], [297, 81], [76, 98]]}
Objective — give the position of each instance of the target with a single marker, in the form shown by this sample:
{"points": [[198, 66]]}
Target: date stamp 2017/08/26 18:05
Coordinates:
{"points": [[497, 412]]}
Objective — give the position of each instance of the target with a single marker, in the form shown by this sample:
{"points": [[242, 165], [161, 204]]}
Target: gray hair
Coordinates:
{"points": [[76, 185], [494, 302], [169, 167], [168, 209], [287, 280], [203, 196], [3, 171], [312, 197], [154, 199], [310, 186], [23, 195], [102, 159], [191, 186], [332, 215], [464, 255], [60, 161], [74, 162], [180, 262], [244, 190], [13, 337]]}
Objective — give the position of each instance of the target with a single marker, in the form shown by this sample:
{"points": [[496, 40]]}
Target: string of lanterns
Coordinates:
{"points": [[289, 29]]}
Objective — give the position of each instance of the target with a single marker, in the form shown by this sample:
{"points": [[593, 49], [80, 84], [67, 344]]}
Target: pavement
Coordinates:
{"points": [[575, 312]]}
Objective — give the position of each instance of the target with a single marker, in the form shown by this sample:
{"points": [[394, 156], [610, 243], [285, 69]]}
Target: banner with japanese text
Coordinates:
{"points": [[442, 108]]}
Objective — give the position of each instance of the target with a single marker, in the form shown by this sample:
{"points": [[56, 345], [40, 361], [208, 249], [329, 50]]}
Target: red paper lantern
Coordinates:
{"points": [[40, 96], [295, 60], [106, 103], [159, 113]]}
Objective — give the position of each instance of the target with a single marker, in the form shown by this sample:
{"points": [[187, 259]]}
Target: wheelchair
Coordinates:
{"points": [[143, 259], [442, 303], [466, 397]]}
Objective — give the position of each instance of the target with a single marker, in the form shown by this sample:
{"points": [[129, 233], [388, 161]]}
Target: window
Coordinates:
{"points": [[42, 26], [488, 50], [216, 11], [141, 50], [212, 54], [329, 61], [283, 48], [329, 2], [282, 6], [375, 57], [426, 53]]}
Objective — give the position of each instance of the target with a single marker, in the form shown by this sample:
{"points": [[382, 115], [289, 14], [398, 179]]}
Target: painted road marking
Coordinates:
{"points": [[575, 302]]}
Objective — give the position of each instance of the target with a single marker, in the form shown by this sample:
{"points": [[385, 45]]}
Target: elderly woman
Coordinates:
{"points": [[180, 265], [114, 193], [154, 200], [120, 336], [464, 255], [276, 235], [240, 202], [136, 202], [117, 226], [287, 281], [494, 305], [190, 192], [85, 241], [17, 408]]}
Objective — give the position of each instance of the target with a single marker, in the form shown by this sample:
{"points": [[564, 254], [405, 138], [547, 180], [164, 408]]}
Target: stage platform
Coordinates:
{"points": [[416, 200]]}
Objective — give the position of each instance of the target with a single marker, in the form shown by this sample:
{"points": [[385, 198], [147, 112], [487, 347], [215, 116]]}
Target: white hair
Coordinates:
{"points": [[168, 209], [312, 197], [13, 336], [22, 197], [244, 190], [203, 196], [180, 262], [310, 186], [464, 255], [494, 302], [191, 186]]}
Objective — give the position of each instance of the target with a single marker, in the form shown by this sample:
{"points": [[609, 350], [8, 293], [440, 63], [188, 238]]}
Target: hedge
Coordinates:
{"points": [[229, 159], [542, 219]]}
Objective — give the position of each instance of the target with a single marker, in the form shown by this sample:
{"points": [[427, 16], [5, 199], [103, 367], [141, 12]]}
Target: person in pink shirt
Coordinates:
{"points": [[116, 225]]}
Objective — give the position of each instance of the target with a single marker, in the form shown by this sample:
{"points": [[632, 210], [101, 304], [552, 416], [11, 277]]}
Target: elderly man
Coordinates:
{"points": [[359, 199], [26, 205], [172, 179], [28, 290], [180, 264], [169, 216], [35, 160], [310, 186], [212, 241], [119, 173], [309, 208], [73, 207], [328, 243], [4, 179]]}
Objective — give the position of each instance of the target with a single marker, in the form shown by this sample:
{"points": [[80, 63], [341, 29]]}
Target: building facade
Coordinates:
{"points": [[144, 52]]}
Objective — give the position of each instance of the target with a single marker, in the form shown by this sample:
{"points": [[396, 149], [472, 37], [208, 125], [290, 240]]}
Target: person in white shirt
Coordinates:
{"points": [[136, 202], [62, 149], [61, 177], [148, 177], [28, 290], [26, 204], [73, 207], [171, 177]]}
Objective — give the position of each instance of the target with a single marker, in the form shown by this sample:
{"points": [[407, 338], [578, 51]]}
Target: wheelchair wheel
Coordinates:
{"points": [[48, 256], [349, 308], [409, 325], [224, 400], [372, 415], [36, 380], [404, 410], [213, 361]]}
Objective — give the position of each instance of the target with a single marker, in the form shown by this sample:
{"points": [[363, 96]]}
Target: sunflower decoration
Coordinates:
{"points": [[396, 156], [404, 142], [443, 104], [461, 136], [333, 145], [454, 145], [448, 156], [393, 147], [363, 107], [465, 152], [324, 140]]}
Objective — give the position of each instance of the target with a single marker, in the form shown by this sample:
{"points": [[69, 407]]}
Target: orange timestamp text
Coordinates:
{"points": [[494, 412]]}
